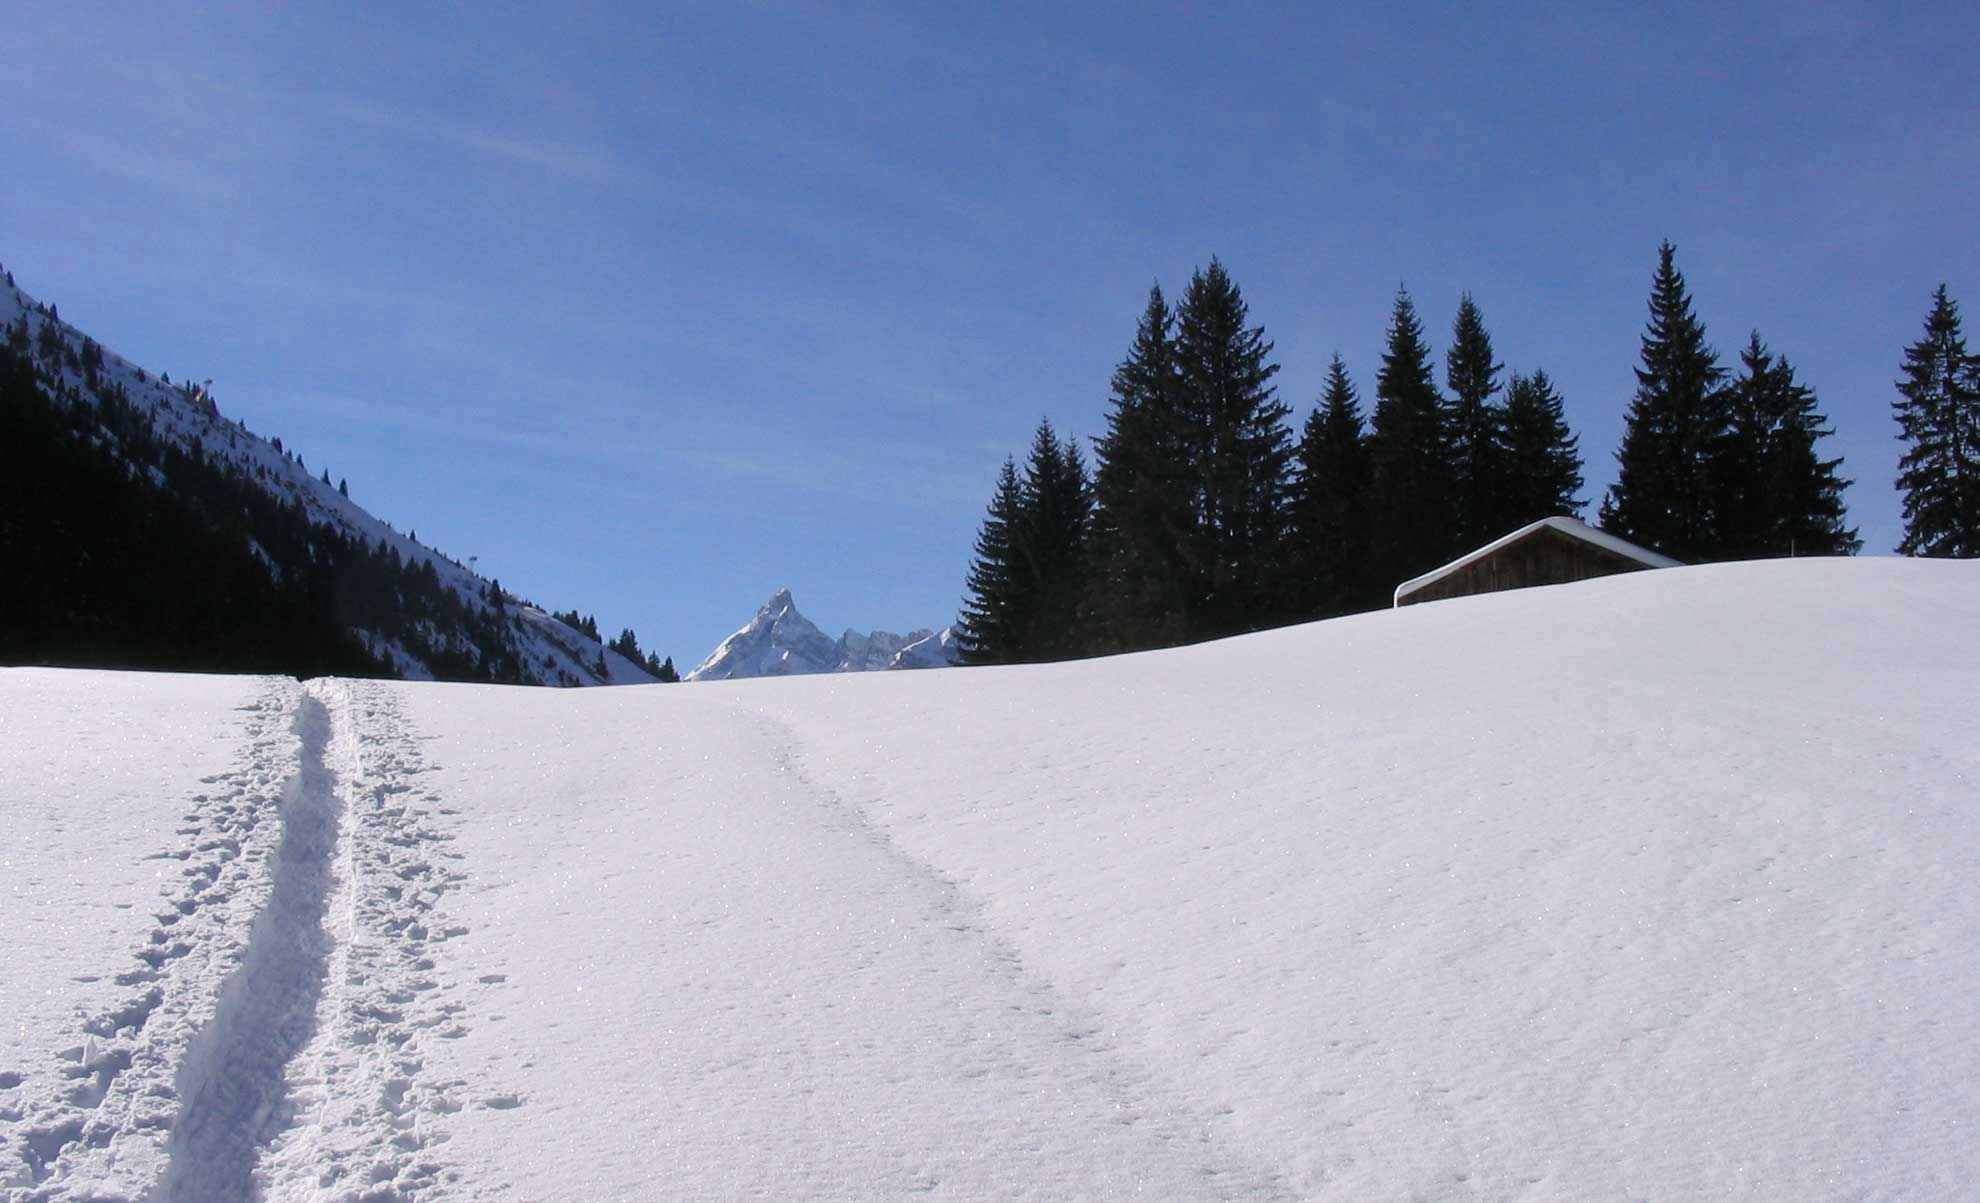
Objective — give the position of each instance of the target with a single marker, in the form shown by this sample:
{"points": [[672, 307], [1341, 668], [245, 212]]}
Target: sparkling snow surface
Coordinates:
{"points": [[1653, 887]]}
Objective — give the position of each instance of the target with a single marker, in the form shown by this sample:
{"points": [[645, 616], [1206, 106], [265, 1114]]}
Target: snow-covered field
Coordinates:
{"points": [[1655, 887]]}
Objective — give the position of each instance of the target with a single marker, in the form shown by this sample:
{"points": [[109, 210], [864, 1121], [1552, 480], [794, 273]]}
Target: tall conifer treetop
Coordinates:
{"points": [[1540, 456], [1142, 519], [1026, 582], [990, 615], [1330, 509], [1473, 378], [1776, 496], [1410, 455], [1238, 450], [1938, 416], [1665, 495]]}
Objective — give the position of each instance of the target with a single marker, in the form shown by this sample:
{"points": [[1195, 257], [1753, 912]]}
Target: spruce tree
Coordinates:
{"points": [[1539, 455], [1741, 467], [1238, 453], [1141, 519], [1776, 497], [1478, 507], [991, 619], [1330, 506], [1938, 415], [1810, 513], [1667, 484], [1410, 455], [1048, 548]]}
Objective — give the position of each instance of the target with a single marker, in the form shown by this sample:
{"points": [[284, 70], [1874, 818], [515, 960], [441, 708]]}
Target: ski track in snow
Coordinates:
{"points": [[1135, 1099], [95, 1122], [272, 1040]]}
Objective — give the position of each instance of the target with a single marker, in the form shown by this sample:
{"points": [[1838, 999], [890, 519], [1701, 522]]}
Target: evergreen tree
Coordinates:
{"points": [[1330, 507], [1810, 514], [1049, 547], [1141, 521], [1238, 452], [1667, 486], [1776, 496], [992, 618], [664, 671], [1410, 456], [1741, 465], [1539, 454], [1029, 574], [627, 645], [1938, 415], [1478, 513]]}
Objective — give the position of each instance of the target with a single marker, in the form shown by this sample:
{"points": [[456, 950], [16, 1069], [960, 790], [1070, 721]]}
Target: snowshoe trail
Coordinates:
{"points": [[231, 1085], [95, 1124], [273, 1039], [365, 1116]]}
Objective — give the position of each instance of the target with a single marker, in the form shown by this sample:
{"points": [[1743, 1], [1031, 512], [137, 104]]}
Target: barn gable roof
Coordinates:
{"points": [[1573, 528]]}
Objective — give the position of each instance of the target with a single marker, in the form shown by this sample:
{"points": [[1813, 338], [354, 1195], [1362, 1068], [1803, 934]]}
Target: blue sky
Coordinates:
{"points": [[656, 309]]}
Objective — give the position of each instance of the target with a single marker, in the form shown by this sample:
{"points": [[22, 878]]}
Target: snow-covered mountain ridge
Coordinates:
{"points": [[780, 642], [542, 649]]}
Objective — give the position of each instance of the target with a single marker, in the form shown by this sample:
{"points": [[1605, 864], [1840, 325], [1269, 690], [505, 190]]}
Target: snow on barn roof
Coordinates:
{"points": [[1573, 528]]}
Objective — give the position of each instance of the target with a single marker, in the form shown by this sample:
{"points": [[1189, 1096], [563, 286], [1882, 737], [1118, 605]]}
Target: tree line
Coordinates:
{"points": [[1201, 513]]}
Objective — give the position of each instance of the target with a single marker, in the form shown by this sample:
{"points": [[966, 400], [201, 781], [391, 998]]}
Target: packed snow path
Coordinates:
{"points": [[294, 955], [130, 834], [231, 1085]]}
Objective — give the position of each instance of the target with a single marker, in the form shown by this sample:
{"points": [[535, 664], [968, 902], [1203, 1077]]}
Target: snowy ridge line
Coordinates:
{"points": [[1132, 1089], [553, 653], [96, 1127], [365, 1116], [232, 1080]]}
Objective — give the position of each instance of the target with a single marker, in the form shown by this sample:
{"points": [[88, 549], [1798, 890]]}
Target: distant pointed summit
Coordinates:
{"points": [[781, 642]]}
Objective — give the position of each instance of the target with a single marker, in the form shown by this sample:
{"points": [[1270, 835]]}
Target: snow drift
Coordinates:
{"points": [[1656, 886]]}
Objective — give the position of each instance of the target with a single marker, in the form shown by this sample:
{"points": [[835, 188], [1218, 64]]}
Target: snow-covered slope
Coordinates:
{"points": [[186, 414], [1652, 887], [780, 642], [929, 649]]}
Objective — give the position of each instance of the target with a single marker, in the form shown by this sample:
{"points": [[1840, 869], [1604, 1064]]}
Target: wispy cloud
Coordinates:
{"points": [[554, 156]]}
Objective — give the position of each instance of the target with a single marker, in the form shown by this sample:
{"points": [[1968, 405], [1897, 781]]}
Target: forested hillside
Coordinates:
{"points": [[143, 529]]}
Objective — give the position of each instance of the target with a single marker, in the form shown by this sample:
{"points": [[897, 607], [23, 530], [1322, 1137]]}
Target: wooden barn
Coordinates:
{"points": [[1552, 551]]}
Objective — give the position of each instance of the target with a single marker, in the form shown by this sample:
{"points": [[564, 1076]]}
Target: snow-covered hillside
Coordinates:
{"points": [[187, 415], [1651, 887], [780, 642]]}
